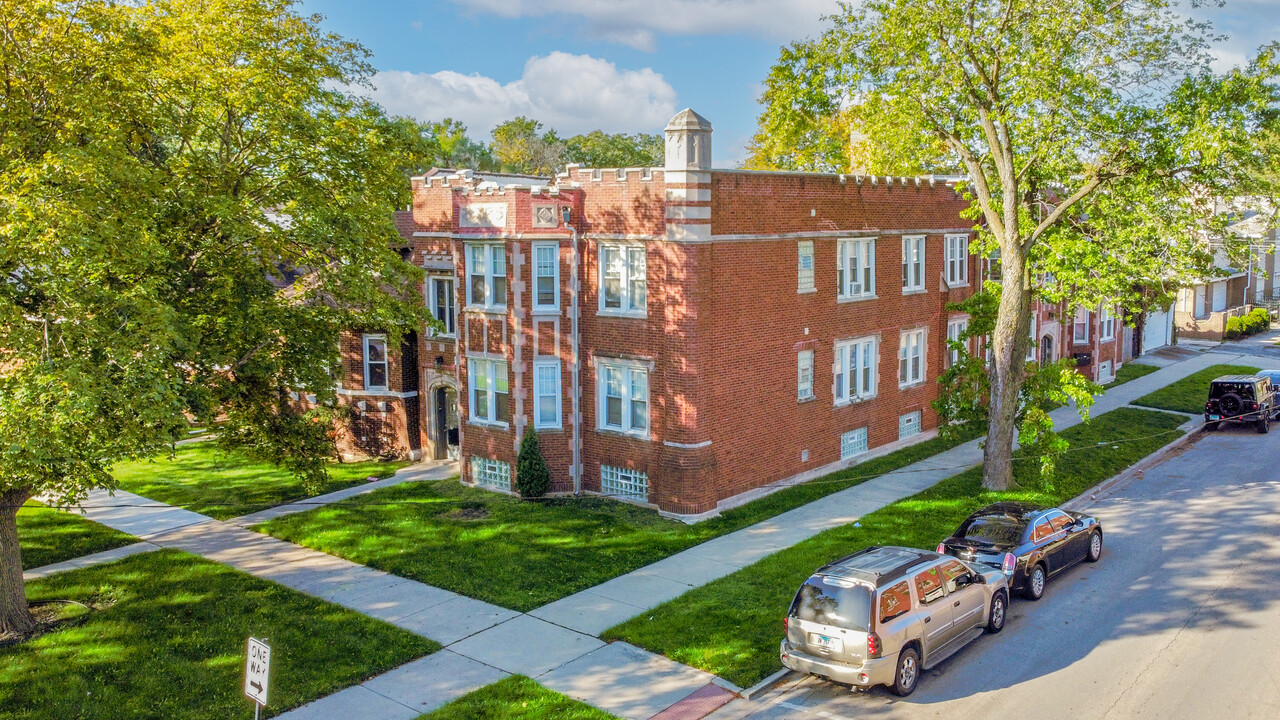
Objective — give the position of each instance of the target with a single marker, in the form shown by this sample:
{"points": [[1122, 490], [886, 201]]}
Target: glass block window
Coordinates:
{"points": [[490, 473], [909, 425], [805, 273], [625, 483], [853, 443]]}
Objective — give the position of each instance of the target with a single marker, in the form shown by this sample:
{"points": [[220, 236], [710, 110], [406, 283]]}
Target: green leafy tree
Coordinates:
{"points": [[1093, 135], [533, 478], [166, 169], [443, 144], [520, 147], [601, 150]]}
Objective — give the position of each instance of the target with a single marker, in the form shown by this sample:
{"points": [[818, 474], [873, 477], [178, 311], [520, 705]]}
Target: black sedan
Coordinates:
{"points": [[1030, 543]]}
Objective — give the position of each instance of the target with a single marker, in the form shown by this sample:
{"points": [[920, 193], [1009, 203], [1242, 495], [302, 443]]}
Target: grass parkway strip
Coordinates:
{"points": [[167, 640], [521, 554], [731, 626], [516, 698], [1189, 394], [204, 479], [47, 536]]}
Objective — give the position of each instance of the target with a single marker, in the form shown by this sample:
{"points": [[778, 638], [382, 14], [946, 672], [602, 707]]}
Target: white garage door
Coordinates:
{"points": [[1157, 330], [1219, 296]]}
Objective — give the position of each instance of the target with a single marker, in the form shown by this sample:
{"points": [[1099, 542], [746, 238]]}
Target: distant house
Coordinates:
{"points": [[1202, 310]]}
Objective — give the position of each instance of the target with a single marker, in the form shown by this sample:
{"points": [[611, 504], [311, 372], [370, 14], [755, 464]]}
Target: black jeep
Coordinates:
{"points": [[1240, 398]]}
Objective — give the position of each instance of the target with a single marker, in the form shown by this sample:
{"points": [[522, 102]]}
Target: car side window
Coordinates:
{"points": [[929, 586], [894, 601], [955, 575], [1059, 521], [1043, 530]]}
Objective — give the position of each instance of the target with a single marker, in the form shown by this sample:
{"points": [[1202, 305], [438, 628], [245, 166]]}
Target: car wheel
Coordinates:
{"points": [[999, 607], [904, 681], [1036, 582], [1264, 425], [1095, 547]]}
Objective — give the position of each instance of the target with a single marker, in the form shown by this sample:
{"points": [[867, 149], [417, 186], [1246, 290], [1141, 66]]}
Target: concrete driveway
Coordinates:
{"points": [[1180, 619]]}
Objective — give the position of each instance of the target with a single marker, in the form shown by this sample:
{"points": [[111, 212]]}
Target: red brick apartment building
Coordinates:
{"points": [[678, 336]]}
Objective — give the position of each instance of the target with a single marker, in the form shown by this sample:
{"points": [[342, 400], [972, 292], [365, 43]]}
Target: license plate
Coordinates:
{"points": [[1215, 417], [824, 641]]}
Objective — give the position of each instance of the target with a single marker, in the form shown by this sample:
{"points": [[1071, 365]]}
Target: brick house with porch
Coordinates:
{"points": [[678, 336]]}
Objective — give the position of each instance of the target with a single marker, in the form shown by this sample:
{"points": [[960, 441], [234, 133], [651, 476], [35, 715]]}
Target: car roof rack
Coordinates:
{"points": [[876, 565]]}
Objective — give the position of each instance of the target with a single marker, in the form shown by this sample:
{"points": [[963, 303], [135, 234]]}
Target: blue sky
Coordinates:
{"points": [[616, 65]]}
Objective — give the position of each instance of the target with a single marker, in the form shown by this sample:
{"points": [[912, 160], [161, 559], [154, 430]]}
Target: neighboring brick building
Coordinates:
{"points": [[680, 335]]}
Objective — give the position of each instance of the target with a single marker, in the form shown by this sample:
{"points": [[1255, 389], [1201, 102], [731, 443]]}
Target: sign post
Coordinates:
{"points": [[257, 674]]}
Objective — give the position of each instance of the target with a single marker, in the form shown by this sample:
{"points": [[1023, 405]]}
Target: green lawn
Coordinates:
{"points": [[516, 698], [1188, 395], [522, 555], [47, 536], [222, 485], [732, 626], [172, 643], [1131, 371]]}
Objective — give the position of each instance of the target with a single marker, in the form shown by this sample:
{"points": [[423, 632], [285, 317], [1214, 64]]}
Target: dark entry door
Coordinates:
{"points": [[442, 424]]}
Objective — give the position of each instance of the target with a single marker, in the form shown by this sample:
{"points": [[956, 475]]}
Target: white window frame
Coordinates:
{"points": [[628, 304], [1078, 323], [540, 366], [856, 268], [856, 370], [492, 370], [1106, 324], [911, 346], [806, 267], [385, 362], [629, 370], [955, 328], [804, 375], [491, 252], [449, 322], [957, 260], [913, 263], [536, 270]]}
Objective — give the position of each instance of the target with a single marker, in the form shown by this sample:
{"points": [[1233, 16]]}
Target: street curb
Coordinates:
{"points": [[1086, 498], [763, 685]]}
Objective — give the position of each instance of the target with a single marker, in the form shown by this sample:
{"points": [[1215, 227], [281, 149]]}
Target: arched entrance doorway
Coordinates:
{"points": [[444, 422], [1046, 349]]}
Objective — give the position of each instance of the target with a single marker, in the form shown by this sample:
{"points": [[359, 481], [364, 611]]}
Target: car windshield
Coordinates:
{"points": [[995, 529], [1244, 390], [844, 607]]}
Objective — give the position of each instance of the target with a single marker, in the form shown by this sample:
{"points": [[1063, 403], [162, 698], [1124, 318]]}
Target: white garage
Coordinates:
{"points": [[1157, 330]]}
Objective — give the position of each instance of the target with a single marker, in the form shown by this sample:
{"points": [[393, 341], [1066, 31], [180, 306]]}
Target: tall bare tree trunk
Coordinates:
{"points": [[1009, 368], [15, 617]]}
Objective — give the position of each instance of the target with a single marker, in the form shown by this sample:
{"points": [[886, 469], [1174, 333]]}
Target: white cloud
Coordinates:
{"points": [[635, 22], [571, 93]]}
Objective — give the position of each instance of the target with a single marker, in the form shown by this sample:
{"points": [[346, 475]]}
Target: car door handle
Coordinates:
{"points": [[955, 604], [928, 618]]}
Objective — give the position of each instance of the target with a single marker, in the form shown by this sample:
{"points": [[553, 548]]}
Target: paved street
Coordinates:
{"points": [[1179, 620]]}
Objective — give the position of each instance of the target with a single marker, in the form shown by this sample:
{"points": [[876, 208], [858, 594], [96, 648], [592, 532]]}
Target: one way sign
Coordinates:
{"points": [[257, 671]]}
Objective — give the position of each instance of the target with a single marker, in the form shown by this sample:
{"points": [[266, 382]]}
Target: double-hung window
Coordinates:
{"points": [[440, 299], [804, 375], [546, 394], [546, 276], [490, 397], [375, 362], [487, 275], [622, 279], [911, 357], [912, 263], [623, 392], [955, 329], [1080, 327], [957, 260], [856, 268], [855, 370], [1107, 321]]}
